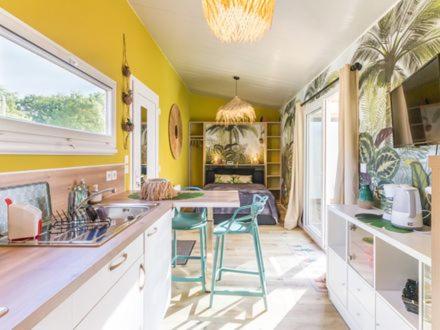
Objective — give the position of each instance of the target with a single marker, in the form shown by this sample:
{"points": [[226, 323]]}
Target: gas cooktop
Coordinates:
{"points": [[91, 227]]}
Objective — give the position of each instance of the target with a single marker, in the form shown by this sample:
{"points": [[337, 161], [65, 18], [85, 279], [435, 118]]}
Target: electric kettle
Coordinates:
{"points": [[407, 208]]}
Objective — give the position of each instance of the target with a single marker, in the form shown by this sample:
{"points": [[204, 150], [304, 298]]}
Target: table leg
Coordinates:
{"points": [[209, 247]]}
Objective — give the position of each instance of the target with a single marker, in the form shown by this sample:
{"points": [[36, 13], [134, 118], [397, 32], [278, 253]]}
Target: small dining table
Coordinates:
{"points": [[211, 199]]}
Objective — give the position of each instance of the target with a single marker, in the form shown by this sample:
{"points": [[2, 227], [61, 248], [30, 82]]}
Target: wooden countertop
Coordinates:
{"points": [[210, 198], [35, 280]]}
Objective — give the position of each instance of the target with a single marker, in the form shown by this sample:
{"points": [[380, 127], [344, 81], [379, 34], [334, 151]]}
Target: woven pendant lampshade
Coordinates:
{"points": [[236, 110], [238, 20]]}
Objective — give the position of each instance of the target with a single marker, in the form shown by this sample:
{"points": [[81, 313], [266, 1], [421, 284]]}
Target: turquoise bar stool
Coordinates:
{"points": [[240, 224], [183, 221]]}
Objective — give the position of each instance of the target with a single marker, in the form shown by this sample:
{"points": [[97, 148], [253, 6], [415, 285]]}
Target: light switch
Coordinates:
{"points": [[108, 176], [114, 175]]}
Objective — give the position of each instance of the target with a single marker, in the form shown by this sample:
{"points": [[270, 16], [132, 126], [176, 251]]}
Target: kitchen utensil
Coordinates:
{"points": [[102, 213], [407, 208], [91, 212]]}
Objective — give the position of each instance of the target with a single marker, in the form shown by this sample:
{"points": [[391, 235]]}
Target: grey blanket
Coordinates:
{"points": [[246, 192]]}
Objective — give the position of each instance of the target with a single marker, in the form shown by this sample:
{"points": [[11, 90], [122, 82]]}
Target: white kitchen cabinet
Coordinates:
{"points": [[122, 306], [61, 318], [337, 276], [157, 251], [132, 291]]}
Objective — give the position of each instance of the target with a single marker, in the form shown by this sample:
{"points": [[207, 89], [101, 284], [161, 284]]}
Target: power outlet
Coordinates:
{"points": [[363, 168], [108, 176], [114, 175]]}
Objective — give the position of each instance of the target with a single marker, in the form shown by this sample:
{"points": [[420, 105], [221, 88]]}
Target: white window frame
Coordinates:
{"points": [[24, 137]]}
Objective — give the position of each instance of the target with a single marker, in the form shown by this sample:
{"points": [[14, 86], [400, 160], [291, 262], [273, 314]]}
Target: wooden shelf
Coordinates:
{"points": [[274, 136], [273, 149], [274, 188], [274, 176], [273, 163]]}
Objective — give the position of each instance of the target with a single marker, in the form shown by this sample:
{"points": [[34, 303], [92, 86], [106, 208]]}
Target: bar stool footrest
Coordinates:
{"points": [[239, 271], [187, 279], [244, 293]]}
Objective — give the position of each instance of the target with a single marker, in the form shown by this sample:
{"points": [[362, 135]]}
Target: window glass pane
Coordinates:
{"points": [[34, 89]]}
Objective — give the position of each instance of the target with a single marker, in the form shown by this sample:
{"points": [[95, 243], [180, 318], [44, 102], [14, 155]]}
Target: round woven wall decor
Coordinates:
{"points": [[175, 131]]}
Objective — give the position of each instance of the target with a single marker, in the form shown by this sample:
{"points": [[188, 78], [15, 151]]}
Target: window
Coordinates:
{"points": [[50, 101]]}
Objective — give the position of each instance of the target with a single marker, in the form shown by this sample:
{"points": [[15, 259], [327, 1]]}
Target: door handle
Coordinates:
{"points": [[141, 276], [124, 257], [3, 311], [153, 232]]}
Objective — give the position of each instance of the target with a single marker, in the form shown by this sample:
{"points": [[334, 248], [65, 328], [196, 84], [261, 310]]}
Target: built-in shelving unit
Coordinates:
{"points": [[196, 146], [273, 158], [368, 268]]}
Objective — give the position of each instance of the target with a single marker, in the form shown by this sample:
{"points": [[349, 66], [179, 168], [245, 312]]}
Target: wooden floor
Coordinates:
{"points": [[295, 301]]}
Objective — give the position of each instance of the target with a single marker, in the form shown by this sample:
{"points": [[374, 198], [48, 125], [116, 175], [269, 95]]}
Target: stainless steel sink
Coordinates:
{"points": [[126, 211], [119, 216]]}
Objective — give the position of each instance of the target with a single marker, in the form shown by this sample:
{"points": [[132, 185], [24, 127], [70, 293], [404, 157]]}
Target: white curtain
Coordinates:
{"points": [[347, 175], [295, 207]]}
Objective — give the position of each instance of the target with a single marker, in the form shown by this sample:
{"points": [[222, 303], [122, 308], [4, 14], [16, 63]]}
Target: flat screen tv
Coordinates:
{"points": [[415, 107]]}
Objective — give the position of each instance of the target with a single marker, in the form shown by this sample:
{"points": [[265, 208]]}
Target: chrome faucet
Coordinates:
{"points": [[86, 200]]}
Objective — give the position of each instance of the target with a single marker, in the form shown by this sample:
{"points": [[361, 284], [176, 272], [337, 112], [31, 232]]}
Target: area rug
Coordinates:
{"points": [[184, 248]]}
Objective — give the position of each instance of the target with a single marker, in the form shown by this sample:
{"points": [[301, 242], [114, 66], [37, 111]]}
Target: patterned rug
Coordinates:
{"points": [[312, 256]]}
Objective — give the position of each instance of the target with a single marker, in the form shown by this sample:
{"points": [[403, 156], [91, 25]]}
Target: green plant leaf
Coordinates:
{"points": [[420, 180], [386, 163], [366, 148]]}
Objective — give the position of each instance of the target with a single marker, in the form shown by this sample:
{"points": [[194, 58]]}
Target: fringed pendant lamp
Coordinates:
{"points": [[236, 110], [239, 20]]}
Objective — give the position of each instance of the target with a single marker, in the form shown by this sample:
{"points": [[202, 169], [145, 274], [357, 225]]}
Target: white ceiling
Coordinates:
{"points": [[305, 37]]}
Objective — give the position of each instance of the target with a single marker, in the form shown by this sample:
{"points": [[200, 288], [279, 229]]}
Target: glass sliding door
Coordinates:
{"points": [[314, 130], [321, 154]]}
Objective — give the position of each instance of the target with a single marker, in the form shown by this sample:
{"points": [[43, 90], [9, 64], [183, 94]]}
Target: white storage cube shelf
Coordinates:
{"points": [[370, 297]]}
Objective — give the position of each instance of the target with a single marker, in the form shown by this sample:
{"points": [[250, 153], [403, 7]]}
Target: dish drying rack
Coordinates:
{"points": [[79, 219]]}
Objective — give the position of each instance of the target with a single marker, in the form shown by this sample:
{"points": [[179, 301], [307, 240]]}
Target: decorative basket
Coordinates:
{"points": [[157, 189]]}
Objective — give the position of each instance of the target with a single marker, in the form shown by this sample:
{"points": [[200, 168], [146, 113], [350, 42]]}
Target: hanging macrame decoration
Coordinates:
{"points": [[127, 94]]}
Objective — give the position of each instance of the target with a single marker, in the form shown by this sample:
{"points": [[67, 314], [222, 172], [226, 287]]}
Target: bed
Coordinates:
{"points": [[246, 191]]}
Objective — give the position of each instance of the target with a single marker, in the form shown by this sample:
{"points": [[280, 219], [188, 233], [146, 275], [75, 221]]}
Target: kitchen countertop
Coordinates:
{"points": [[35, 280]]}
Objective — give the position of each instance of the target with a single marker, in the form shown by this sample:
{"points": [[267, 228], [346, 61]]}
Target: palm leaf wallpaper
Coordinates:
{"points": [[234, 144], [395, 47]]}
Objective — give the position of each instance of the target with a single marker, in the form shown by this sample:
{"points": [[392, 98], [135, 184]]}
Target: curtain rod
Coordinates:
{"points": [[354, 67]]}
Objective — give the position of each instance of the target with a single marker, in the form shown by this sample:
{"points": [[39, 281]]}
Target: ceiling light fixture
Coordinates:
{"points": [[239, 20], [236, 110]]}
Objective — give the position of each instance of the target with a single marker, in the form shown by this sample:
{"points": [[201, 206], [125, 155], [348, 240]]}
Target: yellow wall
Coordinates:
{"points": [[92, 30], [204, 108]]}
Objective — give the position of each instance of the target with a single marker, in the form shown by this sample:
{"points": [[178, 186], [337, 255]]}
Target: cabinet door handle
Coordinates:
{"points": [[124, 257], [351, 257], [153, 232], [353, 227], [141, 277], [3, 311]]}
